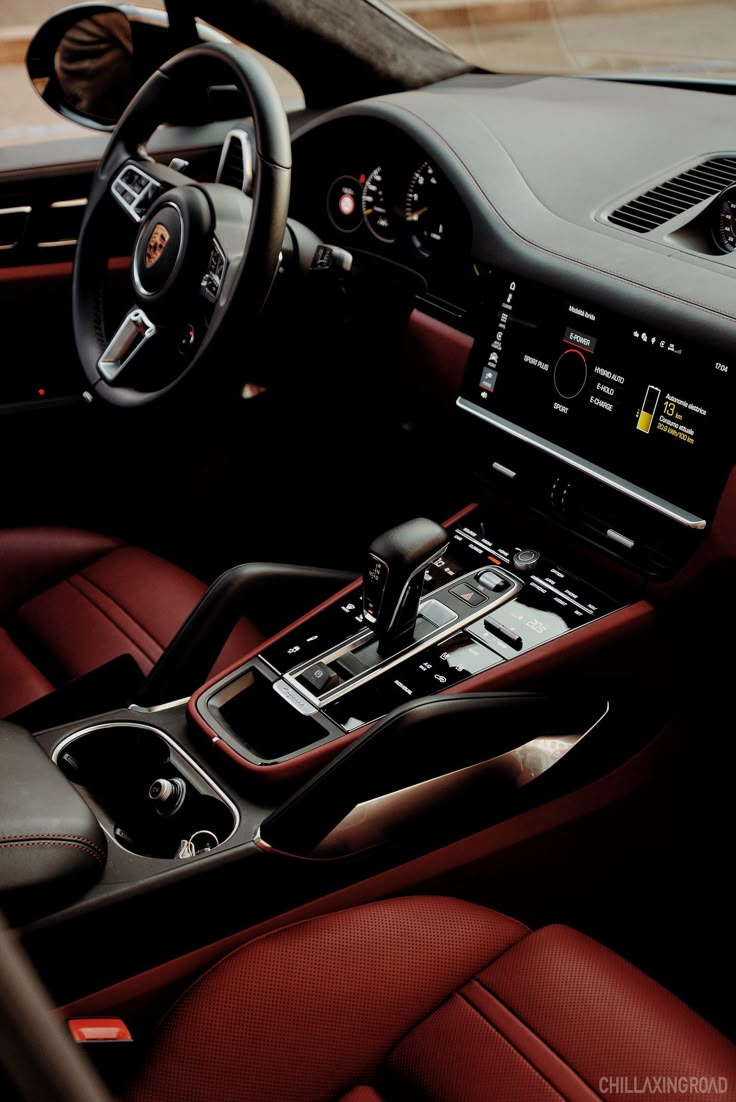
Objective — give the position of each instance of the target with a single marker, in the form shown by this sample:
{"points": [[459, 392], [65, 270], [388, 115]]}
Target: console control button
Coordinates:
{"points": [[320, 633], [526, 559], [468, 594], [437, 613], [449, 662], [319, 678], [425, 674], [489, 579]]}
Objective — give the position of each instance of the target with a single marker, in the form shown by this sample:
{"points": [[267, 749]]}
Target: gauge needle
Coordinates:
{"points": [[418, 213], [368, 211]]}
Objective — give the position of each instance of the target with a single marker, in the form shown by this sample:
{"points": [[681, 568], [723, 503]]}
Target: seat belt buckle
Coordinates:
{"points": [[109, 1045], [95, 1031]]}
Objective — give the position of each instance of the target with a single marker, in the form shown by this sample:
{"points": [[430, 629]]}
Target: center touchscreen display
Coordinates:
{"points": [[606, 394]]}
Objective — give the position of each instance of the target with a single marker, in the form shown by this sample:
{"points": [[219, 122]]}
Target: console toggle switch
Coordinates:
{"points": [[496, 583], [468, 594], [319, 678], [505, 634]]}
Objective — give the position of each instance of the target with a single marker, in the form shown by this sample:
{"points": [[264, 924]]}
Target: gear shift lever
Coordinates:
{"points": [[394, 578]]}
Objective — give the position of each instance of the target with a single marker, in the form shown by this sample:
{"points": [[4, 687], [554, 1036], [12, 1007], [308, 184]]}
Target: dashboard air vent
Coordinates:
{"points": [[666, 201], [236, 161]]}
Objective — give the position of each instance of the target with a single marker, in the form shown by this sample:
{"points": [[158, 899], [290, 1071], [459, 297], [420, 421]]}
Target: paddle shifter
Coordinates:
{"points": [[394, 578]]}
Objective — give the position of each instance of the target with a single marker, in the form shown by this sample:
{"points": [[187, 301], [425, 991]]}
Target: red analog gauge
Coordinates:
{"points": [[344, 204]]}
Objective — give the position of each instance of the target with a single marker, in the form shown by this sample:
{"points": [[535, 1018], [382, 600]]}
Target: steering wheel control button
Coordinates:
{"points": [[467, 594], [135, 191], [526, 559], [492, 581], [506, 635], [319, 678], [213, 277]]}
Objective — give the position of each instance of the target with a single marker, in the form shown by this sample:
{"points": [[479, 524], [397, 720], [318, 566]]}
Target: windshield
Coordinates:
{"points": [[585, 36]]}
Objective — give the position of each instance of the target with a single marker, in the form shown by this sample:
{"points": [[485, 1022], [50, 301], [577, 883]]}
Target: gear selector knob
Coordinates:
{"points": [[394, 577]]}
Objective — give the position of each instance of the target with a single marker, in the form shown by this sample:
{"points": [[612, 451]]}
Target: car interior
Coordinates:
{"points": [[369, 506]]}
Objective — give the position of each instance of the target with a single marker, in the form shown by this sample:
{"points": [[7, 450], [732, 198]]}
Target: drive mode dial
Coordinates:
{"points": [[526, 559], [570, 374]]}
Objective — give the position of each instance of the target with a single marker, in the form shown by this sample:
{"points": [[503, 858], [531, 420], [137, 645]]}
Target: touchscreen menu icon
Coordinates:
{"points": [[648, 408], [488, 379]]}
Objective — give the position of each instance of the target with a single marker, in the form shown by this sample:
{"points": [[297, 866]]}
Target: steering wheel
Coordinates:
{"points": [[203, 253]]}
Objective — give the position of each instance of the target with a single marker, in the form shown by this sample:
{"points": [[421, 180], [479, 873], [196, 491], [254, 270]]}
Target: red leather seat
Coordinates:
{"points": [[430, 998], [71, 601]]}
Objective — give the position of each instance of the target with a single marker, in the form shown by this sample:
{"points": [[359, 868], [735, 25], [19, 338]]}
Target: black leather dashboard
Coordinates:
{"points": [[535, 161]]}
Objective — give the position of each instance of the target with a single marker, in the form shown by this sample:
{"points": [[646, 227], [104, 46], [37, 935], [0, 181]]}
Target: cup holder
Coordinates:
{"points": [[150, 795]]}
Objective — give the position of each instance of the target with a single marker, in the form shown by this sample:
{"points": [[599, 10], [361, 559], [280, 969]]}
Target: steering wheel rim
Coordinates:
{"points": [[249, 233]]}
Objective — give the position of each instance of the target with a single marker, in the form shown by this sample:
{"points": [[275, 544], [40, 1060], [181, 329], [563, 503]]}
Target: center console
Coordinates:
{"points": [[485, 600]]}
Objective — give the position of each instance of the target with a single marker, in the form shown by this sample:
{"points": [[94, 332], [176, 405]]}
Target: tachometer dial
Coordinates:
{"points": [[723, 221], [343, 204], [424, 210], [376, 212]]}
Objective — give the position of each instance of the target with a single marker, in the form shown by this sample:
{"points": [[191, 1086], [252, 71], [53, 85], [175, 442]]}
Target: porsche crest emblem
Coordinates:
{"points": [[157, 242]]}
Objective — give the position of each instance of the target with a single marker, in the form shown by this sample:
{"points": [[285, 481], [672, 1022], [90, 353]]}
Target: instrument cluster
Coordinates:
{"points": [[411, 212], [371, 189]]}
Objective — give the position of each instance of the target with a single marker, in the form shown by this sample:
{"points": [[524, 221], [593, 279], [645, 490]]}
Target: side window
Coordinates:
{"points": [[24, 118]]}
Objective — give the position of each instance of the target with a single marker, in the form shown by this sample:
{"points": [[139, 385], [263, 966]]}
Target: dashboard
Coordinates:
{"points": [[602, 374]]}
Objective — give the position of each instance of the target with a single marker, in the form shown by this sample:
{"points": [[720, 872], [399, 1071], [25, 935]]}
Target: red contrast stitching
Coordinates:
{"points": [[67, 845]]}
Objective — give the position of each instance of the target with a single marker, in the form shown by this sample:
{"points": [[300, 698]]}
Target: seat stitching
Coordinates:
{"points": [[210, 968], [514, 1048], [108, 617], [115, 601], [43, 834], [425, 1017], [531, 1029], [65, 845]]}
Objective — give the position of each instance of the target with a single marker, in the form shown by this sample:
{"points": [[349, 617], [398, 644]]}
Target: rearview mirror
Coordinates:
{"points": [[88, 61]]}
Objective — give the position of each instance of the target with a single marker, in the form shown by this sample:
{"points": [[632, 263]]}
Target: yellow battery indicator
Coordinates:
{"points": [[648, 407]]}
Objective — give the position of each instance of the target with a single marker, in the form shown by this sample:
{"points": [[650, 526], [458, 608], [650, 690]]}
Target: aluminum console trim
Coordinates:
{"points": [[475, 613]]}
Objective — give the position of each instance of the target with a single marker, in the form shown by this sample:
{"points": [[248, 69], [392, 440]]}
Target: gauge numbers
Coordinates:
{"points": [[423, 210], [376, 213], [723, 224]]}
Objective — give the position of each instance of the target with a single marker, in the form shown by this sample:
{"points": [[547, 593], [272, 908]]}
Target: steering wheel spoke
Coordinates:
{"points": [[134, 333]]}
